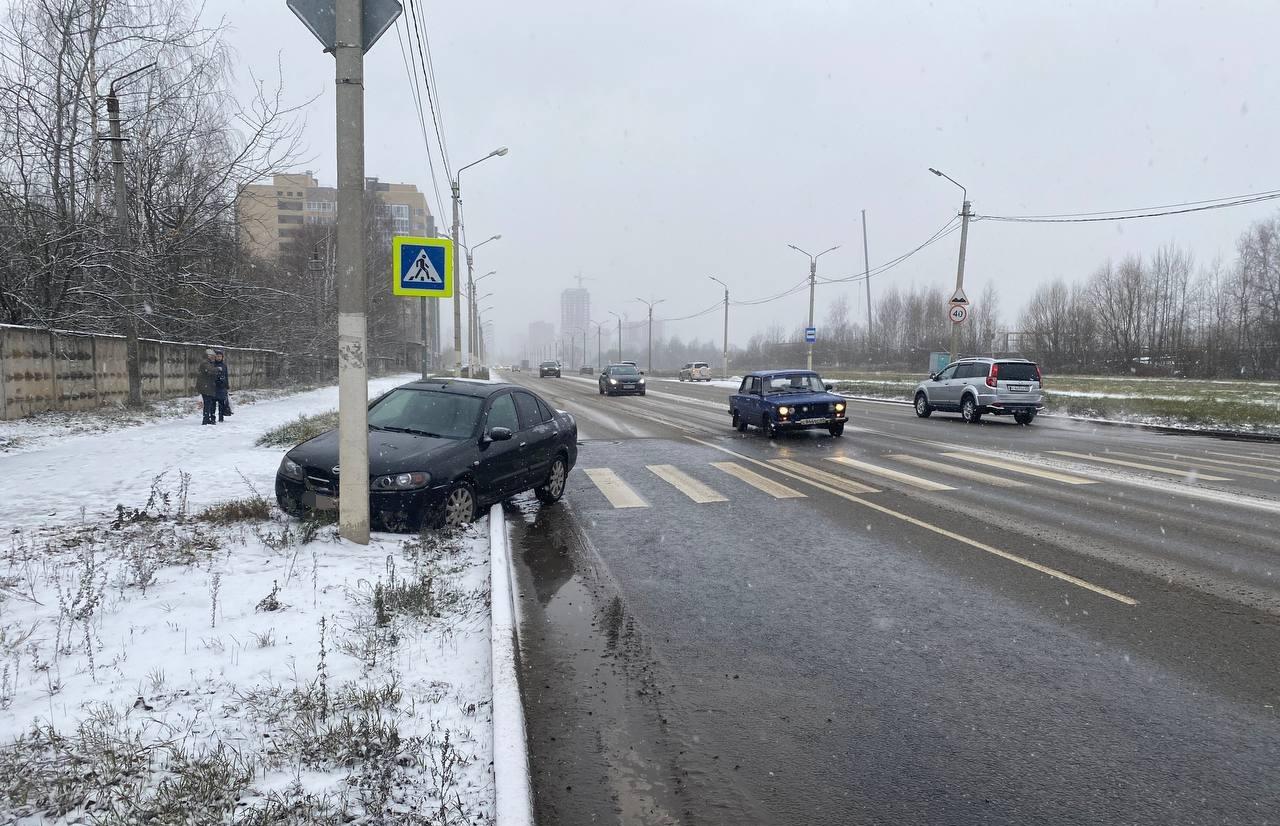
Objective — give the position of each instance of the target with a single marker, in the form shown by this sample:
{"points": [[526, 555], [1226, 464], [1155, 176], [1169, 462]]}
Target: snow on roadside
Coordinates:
{"points": [[162, 663]]}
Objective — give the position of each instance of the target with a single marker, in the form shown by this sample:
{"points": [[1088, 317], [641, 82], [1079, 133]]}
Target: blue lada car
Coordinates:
{"points": [[777, 400]]}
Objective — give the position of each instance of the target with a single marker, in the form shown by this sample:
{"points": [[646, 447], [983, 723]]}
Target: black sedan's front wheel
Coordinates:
{"points": [[459, 508], [551, 490]]}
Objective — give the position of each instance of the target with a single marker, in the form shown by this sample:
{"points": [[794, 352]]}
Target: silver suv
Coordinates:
{"points": [[975, 386]]}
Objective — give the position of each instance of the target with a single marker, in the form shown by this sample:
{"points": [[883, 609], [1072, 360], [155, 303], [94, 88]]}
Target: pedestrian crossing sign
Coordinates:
{"points": [[422, 267]]}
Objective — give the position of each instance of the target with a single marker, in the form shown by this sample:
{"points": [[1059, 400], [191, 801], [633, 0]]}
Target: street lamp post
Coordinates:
{"points": [[615, 315], [472, 342], [456, 185], [726, 324], [964, 239], [599, 339], [650, 305], [813, 281]]}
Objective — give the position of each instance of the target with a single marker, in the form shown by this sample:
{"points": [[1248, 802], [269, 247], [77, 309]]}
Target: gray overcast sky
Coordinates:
{"points": [[653, 144]]}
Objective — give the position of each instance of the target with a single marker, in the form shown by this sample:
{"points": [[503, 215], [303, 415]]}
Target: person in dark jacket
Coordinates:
{"points": [[207, 386], [224, 385]]}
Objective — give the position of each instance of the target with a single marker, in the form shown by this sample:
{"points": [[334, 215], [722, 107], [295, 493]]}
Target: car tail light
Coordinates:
{"points": [[993, 376], [1038, 377]]}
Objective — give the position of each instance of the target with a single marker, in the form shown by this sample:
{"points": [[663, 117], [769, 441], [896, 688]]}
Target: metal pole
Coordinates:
{"points": [[473, 318], [599, 333], [133, 359], [964, 239], [650, 338], [726, 333], [426, 359], [457, 294], [866, 276], [619, 338], [353, 382], [813, 281]]}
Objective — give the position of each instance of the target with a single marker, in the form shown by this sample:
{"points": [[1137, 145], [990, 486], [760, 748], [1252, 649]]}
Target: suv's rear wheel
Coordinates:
{"points": [[922, 406], [1024, 416], [969, 410]]}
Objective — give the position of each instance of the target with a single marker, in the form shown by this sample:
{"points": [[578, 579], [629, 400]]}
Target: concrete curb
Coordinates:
{"points": [[1238, 435], [513, 794]]}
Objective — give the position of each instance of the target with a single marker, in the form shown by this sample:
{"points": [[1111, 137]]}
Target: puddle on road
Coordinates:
{"points": [[604, 742]]}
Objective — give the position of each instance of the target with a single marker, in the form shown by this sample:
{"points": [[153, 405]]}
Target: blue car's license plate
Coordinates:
{"points": [[812, 421]]}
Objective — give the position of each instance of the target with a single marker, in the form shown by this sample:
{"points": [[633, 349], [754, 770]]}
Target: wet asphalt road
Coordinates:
{"points": [[913, 638]]}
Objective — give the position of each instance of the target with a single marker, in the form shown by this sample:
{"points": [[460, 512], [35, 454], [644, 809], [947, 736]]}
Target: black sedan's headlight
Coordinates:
{"points": [[290, 469], [401, 481]]}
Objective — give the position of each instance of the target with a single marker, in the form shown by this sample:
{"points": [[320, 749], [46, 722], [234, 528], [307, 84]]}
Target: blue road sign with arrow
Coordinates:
{"points": [[422, 267]]}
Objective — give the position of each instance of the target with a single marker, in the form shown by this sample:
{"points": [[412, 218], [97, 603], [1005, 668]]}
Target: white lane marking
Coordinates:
{"points": [[1027, 563], [775, 489], [822, 476], [957, 470], [1196, 461], [1021, 467], [619, 494], [905, 478], [686, 484], [1172, 471], [1190, 457], [1257, 457]]}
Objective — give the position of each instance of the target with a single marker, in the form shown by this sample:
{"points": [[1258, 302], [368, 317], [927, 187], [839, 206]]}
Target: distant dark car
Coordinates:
{"points": [[549, 368], [621, 379], [778, 400], [439, 452]]}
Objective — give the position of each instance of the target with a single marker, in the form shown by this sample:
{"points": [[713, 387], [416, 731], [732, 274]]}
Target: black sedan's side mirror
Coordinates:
{"points": [[829, 386], [498, 434]]}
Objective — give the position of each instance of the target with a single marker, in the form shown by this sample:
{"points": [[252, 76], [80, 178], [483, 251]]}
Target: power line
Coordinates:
{"points": [[1137, 212], [800, 285], [412, 75], [946, 229], [432, 92], [699, 314]]}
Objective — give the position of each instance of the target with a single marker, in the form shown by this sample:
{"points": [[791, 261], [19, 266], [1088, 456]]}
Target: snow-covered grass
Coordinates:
{"points": [[176, 651]]}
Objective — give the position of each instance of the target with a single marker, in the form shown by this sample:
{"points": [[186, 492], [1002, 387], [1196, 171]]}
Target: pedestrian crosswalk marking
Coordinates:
{"points": [[905, 478], [957, 470], [775, 489], [1020, 467], [1187, 459], [1255, 457], [614, 489], [822, 476], [686, 484], [1172, 471]]}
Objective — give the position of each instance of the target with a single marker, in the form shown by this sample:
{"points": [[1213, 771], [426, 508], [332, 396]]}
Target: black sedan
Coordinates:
{"points": [[621, 379], [439, 452], [549, 369]]}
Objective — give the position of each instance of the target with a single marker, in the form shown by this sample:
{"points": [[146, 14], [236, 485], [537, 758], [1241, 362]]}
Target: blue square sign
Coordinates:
{"points": [[811, 334], [422, 267]]}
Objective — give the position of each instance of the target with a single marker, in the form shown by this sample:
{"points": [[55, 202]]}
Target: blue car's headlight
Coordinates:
{"points": [[401, 481], [290, 469]]}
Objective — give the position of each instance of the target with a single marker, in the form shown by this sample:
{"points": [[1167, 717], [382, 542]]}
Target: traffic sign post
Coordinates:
{"points": [[422, 267], [958, 313], [811, 334]]}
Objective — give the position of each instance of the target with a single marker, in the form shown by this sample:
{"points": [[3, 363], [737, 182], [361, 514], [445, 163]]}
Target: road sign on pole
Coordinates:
{"points": [[810, 334], [422, 267], [321, 17], [958, 297], [958, 313]]}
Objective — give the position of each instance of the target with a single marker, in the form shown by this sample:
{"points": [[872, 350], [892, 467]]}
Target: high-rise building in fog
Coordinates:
{"points": [[575, 312], [542, 340]]}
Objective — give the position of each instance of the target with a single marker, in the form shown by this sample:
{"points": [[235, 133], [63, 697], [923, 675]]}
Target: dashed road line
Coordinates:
{"points": [[619, 494], [686, 484]]}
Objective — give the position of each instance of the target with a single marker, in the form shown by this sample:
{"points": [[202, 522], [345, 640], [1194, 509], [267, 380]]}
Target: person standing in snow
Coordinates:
{"points": [[207, 386], [223, 385]]}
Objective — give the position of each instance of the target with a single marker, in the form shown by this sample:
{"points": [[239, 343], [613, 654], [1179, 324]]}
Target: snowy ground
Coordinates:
{"points": [[160, 662]]}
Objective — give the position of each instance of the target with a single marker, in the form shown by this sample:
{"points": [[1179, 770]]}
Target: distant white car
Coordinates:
{"points": [[695, 371]]}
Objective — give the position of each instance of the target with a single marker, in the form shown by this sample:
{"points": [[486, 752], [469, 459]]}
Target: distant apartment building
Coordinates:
{"points": [[541, 340], [575, 311], [269, 215]]}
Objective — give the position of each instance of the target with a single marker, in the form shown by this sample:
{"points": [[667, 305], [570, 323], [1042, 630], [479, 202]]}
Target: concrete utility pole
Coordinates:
{"points": [[456, 185], [473, 343], [866, 277], [599, 345], [133, 358], [964, 240], [726, 324], [353, 375], [615, 315], [813, 282], [650, 305]]}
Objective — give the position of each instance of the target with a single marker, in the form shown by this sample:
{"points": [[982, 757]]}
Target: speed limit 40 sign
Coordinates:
{"points": [[958, 313]]}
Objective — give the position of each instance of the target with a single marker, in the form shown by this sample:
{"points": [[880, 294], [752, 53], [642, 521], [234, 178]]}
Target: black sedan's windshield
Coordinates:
{"points": [[807, 383], [623, 370], [431, 413]]}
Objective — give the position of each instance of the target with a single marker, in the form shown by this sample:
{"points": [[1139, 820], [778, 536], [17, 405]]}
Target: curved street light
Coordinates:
{"points": [[456, 186], [813, 280]]}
